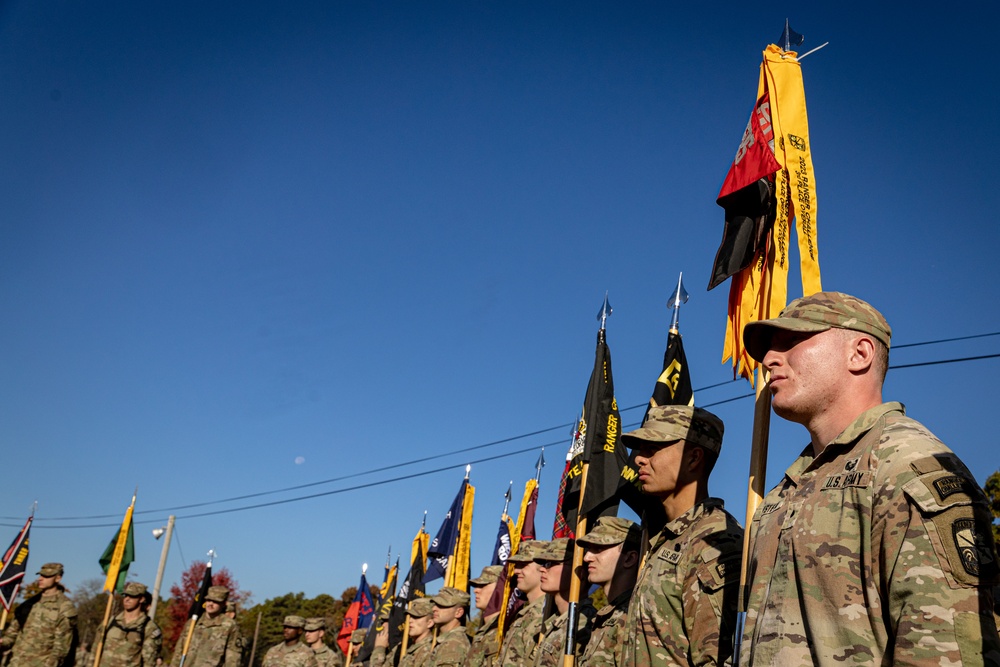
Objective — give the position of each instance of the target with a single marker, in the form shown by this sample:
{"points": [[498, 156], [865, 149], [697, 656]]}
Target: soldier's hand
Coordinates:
{"points": [[382, 638]]}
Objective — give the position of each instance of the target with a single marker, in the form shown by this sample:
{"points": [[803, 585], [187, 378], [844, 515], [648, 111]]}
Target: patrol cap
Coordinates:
{"points": [[51, 570], [612, 530], [560, 548], [294, 622], [420, 607], [450, 597], [814, 313], [358, 636], [231, 606], [217, 594], [526, 551], [668, 423], [134, 589], [489, 575], [316, 623]]}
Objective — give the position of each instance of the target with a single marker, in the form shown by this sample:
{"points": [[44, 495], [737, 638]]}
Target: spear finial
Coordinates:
{"points": [[605, 312], [388, 557], [211, 556], [506, 498], [680, 296], [424, 524], [468, 469], [364, 569], [540, 464]]}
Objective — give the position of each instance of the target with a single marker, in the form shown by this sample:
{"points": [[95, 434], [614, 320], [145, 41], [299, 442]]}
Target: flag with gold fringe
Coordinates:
{"points": [[770, 185], [119, 554]]}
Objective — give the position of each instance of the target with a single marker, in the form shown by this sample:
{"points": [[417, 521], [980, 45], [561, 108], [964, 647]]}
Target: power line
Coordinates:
{"points": [[443, 455]]}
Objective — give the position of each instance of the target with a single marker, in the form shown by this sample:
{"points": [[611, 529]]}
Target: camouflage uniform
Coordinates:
{"points": [[327, 657], [135, 644], [42, 632], [608, 635], [684, 606], [295, 655], [484, 652], [383, 658], [521, 641], [452, 647], [216, 643], [877, 551], [418, 654], [552, 647]]}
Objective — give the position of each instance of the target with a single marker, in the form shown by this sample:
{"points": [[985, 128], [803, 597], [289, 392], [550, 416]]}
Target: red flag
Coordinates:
{"points": [[359, 615]]}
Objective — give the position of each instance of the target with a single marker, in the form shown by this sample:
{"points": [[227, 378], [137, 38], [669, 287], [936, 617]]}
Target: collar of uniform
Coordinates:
{"points": [[619, 602], [850, 435], [684, 521]]}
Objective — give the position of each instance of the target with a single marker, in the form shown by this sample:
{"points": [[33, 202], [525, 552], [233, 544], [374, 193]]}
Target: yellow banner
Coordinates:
{"points": [[116, 560], [760, 291], [458, 572], [419, 547]]}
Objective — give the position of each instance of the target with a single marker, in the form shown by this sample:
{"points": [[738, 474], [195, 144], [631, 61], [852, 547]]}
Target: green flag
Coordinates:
{"points": [[119, 555]]}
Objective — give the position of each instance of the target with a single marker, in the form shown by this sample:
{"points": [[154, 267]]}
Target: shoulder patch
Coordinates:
{"points": [[973, 550]]}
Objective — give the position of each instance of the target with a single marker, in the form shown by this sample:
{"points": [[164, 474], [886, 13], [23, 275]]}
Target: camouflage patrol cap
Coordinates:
{"points": [[560, 548], [294, 621], [489, 575], [526, 551], [611, 530], [668, 423], [316, 623], [420, 607], [217, 594], [134, 589], [358, 636], [231, 607], [815, 313], [51, 570], [450, 597]]}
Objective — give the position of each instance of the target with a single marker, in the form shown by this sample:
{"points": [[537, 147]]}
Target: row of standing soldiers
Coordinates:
{"points": [[875, 547]]}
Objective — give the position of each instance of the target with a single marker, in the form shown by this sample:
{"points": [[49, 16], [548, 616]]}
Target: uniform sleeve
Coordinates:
{"points": [[234, 648], [939, 564], [151, 644], [62, 634], [10, 633], [710, 614]]}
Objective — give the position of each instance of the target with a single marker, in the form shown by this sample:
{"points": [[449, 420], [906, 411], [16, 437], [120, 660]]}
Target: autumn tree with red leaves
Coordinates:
{"points": [[182, 596]]}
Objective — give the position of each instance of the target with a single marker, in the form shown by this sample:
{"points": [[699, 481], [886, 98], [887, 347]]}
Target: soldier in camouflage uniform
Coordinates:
{"points": [[520, 642], [484, 650], [43, 630], [556, 566], [216, 641], [876, 547], [611, 556], [315, 631], [291, 652], [420, 626], [132, 638], [449, 620], [683, 611]]}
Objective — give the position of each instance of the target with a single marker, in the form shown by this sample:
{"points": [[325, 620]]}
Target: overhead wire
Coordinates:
{"points": [[451, 453]]}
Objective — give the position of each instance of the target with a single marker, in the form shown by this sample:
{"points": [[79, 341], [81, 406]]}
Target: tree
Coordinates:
{"points": [[992, 489], [90, 601], [182, 595]]}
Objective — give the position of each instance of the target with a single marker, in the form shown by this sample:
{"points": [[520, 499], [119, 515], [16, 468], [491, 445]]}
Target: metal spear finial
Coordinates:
{"points": [[679, 296], [468, 469], [540, 464], [364, 569], [211, 557], [506, 498], [388, 557], [605, 312]]}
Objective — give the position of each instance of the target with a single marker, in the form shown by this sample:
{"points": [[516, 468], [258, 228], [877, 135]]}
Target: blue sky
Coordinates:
{"points": [[238, 235]]}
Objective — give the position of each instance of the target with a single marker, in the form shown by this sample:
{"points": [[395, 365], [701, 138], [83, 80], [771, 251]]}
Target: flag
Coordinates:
{"points": [[119, 554], [15, 562], [442, 547], [789, 38], [412, 588], [524, 530], [769, 185], [598, 442], [383, 603], [673, 386], [359, 615], [198, 604], [573, 455], [501, 550], [458, 568]]}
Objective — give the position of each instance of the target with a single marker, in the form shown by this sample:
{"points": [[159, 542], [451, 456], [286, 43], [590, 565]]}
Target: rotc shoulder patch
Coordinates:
{"points": [[973, 550]]}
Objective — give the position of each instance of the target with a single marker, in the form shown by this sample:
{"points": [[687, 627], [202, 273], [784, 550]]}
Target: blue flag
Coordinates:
{"points": [[443, 545]]}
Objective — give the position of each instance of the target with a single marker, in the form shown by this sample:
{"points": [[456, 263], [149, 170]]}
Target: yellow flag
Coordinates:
{"points": [[458, 572], [761, 290], [121, 555]]}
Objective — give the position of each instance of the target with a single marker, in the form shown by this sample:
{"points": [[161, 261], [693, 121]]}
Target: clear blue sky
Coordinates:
{"points": [[235, 235]]}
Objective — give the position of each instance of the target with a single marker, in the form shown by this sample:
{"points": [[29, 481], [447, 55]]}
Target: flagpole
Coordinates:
{"points": [[113, 569], [755, 495], [194, 617], [575, 584], [256, 633]]}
